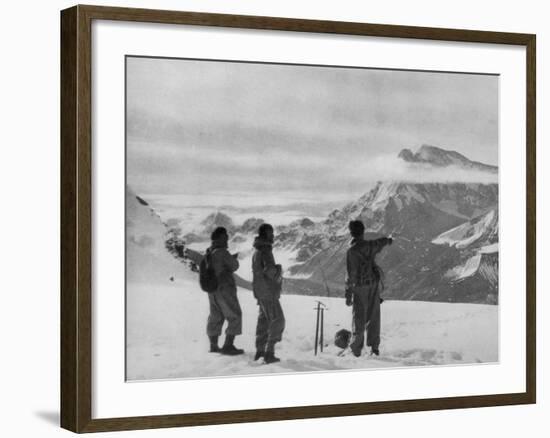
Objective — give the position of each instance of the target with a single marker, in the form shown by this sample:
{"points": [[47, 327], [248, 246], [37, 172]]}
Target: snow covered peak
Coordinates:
{"points": [[480, 232], [251, 225], [439, 157], [417, 209], [401, 193], [217, 219]]}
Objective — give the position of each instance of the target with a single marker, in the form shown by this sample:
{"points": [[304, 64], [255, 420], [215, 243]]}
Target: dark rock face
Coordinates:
{"points": [[415, 269], [251, 225], [304, 223], [192, 238], [406, 155], [141, 201]]}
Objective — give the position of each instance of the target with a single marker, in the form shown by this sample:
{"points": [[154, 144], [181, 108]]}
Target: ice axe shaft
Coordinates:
{"points": [[321, 340], [317, 329], [319, 326]]}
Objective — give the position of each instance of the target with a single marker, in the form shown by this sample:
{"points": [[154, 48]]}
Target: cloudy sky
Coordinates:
{"points": [[203, 127]]}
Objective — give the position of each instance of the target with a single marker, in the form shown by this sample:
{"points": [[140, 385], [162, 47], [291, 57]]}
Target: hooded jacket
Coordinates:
{"points": [[266, 275], [224, 265], [360, 261]]}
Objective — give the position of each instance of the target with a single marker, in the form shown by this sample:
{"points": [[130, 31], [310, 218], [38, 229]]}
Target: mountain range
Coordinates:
{"points": [[445, 236]]}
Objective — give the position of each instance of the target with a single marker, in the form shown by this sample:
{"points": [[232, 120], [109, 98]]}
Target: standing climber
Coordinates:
{"points": [[224, 304], [267, 285], [363, 284]]}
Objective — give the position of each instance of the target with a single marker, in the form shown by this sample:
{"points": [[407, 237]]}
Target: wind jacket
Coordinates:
{"points": [[224, 265], [266, 275]]}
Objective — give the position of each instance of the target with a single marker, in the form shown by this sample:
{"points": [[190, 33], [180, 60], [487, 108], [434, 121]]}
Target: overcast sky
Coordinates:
{"points": [[203, 126]]}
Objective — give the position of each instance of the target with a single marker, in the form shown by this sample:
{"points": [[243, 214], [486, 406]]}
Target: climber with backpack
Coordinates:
{"points": [[363, 285], [216, 277]]}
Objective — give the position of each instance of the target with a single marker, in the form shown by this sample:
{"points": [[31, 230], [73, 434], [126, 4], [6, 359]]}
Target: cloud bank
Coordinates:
{"points": [[392, 168], [204, 127]]}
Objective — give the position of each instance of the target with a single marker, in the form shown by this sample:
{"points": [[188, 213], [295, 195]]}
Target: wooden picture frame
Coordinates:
{"points": [[76, 217]]}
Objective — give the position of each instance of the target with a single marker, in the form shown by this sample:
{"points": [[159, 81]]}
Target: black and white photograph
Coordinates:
{"points": [[291, 218]]}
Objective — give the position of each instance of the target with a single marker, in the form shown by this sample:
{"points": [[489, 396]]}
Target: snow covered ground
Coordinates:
{"points": [[166, 334]]}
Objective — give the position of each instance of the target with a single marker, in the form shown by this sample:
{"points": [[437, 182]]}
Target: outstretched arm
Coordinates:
{"points": [[380, 243]]}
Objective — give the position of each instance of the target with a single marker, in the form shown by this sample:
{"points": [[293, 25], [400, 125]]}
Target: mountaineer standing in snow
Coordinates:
{"points": [[267, 285], [224, 304], [363, 287]]}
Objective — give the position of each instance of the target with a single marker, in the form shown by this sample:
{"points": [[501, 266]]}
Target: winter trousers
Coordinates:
{"points": [[224, 305], [366, 317], [271, 324]]}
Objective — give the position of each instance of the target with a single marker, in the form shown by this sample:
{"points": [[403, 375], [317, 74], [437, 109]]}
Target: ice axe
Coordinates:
{"points": [[319, 325]]}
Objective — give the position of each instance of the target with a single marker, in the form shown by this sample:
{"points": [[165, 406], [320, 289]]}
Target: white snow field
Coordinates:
{"points": [[166, 336]]}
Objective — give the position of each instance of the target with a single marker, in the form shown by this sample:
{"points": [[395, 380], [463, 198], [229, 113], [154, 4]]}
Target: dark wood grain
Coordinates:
{"points": [[301, 25], [69, 332], [76, 219], [305, 412], [531, 246], [84, 223]]}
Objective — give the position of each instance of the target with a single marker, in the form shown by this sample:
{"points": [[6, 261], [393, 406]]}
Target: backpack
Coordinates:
{"points": [[207, 276], [370, 271]]}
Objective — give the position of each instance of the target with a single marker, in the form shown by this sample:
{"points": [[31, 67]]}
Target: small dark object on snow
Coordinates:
{"points": [[171, 278], [342, 338]]}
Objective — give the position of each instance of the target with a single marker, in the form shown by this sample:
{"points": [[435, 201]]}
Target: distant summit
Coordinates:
{"points": [[304, 223], [251, 225], [217, 219], [443, 158]]}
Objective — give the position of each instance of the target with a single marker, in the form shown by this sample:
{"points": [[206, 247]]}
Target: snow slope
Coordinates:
{"points": [[166, 334], [146, 256]]}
